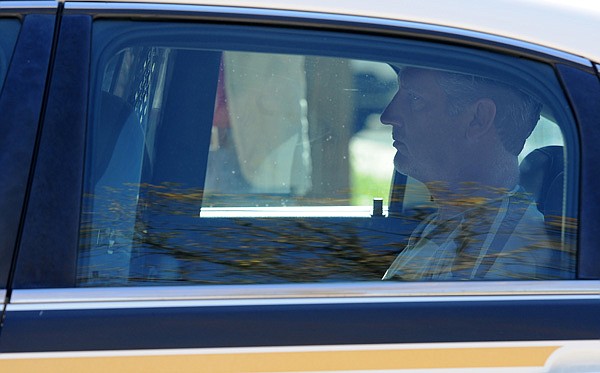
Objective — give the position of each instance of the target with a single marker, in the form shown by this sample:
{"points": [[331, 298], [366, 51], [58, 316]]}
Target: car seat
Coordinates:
{"points": [[543, 175]]}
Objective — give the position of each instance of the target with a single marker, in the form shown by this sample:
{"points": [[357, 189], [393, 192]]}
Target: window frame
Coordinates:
{"points": [[21, 103]]}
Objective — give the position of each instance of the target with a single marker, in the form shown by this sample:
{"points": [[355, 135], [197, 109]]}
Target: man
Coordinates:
{"points": [[460, 135]]}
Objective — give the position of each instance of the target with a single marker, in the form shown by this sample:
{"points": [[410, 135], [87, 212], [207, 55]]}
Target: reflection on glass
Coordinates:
{"points": [[236, 167]]}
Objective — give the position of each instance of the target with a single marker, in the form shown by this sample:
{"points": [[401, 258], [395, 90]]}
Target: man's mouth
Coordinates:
{"points": [[399, 145]]}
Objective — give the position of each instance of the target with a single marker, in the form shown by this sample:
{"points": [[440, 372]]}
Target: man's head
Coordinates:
{"points": [[448, 126]]}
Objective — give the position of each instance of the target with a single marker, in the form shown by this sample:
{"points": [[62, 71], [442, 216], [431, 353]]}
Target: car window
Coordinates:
{"points": [[238, 155], [9, 29]]}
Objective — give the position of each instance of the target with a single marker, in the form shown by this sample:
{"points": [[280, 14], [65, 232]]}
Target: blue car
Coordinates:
{"points": [[282, 186]]}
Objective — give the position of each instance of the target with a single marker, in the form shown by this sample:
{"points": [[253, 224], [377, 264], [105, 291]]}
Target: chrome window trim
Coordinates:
{"points": [[28, 5], [2, 295], [280, 302], [349, 19], [206, 295]]}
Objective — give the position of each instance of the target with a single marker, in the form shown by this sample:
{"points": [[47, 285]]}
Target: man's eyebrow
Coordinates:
{"points": [[403, 81], [405, 84], [408, 86]]}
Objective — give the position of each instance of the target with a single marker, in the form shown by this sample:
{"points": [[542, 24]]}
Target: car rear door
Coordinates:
{"points": [[136, 192]]}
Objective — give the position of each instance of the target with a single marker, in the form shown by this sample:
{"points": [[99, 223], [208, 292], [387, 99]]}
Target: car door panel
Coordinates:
{"points": [[206, 324]]}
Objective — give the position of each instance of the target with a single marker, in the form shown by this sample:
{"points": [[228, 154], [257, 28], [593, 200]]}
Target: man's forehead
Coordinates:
{"points": [[413, 77]]}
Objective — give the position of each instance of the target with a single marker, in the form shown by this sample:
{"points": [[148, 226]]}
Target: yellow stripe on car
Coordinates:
{"points": [[296, 359]]}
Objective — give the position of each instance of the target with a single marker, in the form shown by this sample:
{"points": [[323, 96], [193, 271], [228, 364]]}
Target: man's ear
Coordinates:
{"points": [[484, 114]]}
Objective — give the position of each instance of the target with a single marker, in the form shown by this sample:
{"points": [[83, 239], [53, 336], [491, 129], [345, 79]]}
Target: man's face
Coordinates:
{"points": [[427, 138]]}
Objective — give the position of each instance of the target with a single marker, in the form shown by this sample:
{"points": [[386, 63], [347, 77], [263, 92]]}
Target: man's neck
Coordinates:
{"points": [[454, 199]]}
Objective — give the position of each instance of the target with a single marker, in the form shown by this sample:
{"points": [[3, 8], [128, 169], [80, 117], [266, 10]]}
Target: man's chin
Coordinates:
{"points": [[401, 164], [403, 170], [400, 170]]}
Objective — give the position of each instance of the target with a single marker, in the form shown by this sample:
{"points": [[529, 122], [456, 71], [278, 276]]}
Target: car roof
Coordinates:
{"points": [[571, 26]]}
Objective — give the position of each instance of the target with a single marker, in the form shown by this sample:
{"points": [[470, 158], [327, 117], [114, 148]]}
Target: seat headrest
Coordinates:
{"points": [[112, 115], [542, 175]]}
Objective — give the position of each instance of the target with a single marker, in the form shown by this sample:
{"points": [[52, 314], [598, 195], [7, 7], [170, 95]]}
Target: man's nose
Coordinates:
{"points": [[391, 115]]}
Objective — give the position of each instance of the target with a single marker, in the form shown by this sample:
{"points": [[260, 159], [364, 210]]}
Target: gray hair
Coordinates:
{"points": [[517, 113]]}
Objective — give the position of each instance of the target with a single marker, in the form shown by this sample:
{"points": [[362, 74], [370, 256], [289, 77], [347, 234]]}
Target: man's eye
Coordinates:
{"points": [[416, 102]]}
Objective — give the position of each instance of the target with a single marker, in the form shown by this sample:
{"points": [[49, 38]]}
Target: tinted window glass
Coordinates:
{"points": [[9, 29], [225, 155]]}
